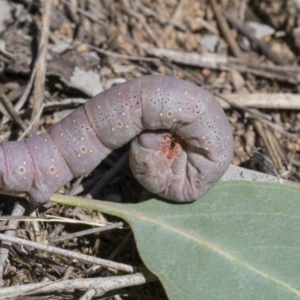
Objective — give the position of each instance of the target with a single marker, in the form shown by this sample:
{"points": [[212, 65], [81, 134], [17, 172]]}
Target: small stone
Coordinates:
{"points": [[260, 30], [195, 24], [62, 45], [206, 72], [209, 42]]}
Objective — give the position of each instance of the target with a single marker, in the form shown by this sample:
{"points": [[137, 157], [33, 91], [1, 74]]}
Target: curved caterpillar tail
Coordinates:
{"points": [[185, 147]]}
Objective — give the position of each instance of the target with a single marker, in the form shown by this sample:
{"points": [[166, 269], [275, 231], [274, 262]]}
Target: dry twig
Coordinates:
{"points": [[11, 110], [28, 87], [226, 30], [71, 254], [99, 285], [264, 101], [38, 93], [87, 232], [175, 18], [225, 63]]}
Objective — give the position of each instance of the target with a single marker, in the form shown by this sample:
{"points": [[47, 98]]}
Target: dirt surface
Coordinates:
{"points": [[54, 57]]}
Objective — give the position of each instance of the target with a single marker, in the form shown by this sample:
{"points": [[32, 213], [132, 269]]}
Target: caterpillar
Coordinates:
{"points": [[181, 144]]}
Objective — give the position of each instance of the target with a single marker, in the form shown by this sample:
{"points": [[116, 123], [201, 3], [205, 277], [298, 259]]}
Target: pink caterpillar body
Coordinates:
{"points": [[182, 141]]}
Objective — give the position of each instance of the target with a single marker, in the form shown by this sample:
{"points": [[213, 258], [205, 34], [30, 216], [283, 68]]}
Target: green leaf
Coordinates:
{"points": [[240, 241]]}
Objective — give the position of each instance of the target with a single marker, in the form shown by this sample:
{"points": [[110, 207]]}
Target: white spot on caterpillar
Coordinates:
{"points": [[56, 175], [52, 159], [83, 149], [202, 177], [158, 89], [228, 137], [91, 151], [180, 109], [203, 137], [52, 169], [35, 147], [174, 120], [96, 159], [119, 124], [161, 114], [119, 93], [24, 163], [99, 106], [24, 177], [126, 126], [73, 120], [218, 117], [45, 140], [82, 138], [78, 155], [123, 113], [112, 129], [185, 92], [61, 134], [8, 150], [22, 146]]}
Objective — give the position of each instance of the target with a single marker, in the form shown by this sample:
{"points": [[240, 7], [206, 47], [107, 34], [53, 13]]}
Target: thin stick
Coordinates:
{"points": [[87, 232], [38, 93], [149, 12], [175, 17], [11, 110], [122, 56], [264, 101], [101, 285], [86, 14], [86, 258], [225, 30], [28, 87], [222, 62], [141, 19], [28, 129]]}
